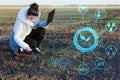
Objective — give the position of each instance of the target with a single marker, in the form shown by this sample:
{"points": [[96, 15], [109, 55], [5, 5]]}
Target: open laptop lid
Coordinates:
{"points": [[50, 16]]}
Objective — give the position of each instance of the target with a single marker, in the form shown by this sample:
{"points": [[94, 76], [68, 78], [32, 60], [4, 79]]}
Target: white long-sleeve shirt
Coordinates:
{"points": [[23, 27]]}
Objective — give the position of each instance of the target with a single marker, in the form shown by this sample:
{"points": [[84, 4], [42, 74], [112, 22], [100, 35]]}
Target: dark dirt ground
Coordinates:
{"points": [[60, 59]]}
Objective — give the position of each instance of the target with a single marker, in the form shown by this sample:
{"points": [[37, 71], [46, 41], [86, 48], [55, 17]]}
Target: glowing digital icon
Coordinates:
{"points": [[85, 39], [100, 13], [111, 51], [83, 69], [100, 64], [111, 26], [82, 8]]}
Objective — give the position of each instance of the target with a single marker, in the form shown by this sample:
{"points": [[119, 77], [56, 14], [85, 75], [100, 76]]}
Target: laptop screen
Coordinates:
{"points": [[50, 16]]}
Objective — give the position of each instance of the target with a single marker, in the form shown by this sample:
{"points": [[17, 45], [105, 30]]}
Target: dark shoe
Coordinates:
{"points": [[37, 50]]}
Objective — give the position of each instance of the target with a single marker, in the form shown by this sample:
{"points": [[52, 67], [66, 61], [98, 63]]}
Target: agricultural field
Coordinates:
{"points": [[60, 60]]}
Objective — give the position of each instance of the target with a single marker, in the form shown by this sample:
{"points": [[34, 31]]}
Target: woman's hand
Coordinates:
{"points": [[28, 49], [47, 25]]}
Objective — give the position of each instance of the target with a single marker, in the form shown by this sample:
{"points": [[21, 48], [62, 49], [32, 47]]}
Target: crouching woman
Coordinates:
{"points": [[28, 32]]}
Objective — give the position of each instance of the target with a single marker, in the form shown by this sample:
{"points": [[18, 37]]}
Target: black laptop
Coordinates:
{"points": [[50, 16]]}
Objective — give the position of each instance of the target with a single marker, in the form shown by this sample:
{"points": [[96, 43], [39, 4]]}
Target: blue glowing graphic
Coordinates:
{"points": [[83, 69], [85, 39], [111, 51], [100, 64], [82, 9], [100, 13], [111, 26]]}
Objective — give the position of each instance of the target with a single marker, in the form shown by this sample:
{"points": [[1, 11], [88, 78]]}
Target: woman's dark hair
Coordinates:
{"points": [[33, 10]]}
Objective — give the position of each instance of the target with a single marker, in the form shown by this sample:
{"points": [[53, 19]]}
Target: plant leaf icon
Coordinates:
{"points": [[82, 37], [87, 39]]}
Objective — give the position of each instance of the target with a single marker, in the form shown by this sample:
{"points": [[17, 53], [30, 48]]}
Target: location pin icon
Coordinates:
{"points": [[99, 15]]}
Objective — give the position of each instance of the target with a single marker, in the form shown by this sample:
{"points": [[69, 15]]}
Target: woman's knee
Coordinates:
{"points": [[41, 30], [31, 42]]}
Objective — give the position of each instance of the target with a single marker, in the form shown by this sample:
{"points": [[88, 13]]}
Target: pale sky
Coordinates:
{"points": [[60, 2]]}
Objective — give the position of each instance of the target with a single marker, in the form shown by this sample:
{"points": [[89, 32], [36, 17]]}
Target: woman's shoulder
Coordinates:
{"points": [[22, 11], [22, 14]]}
